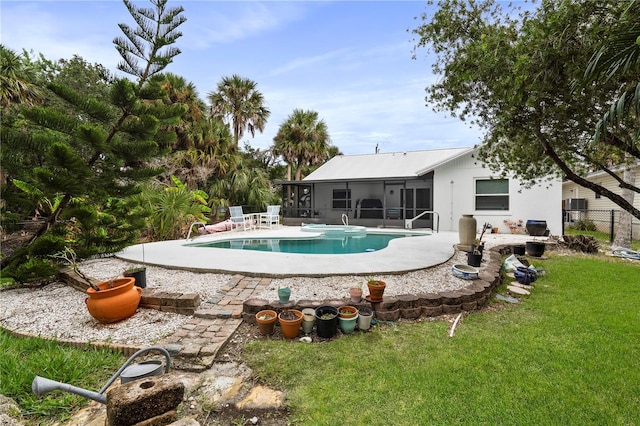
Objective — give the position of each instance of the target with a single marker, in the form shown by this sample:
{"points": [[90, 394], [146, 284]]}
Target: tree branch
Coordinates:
{"points": [[599, 189]]}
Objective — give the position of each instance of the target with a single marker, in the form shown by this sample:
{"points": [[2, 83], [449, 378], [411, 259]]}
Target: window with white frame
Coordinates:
{"points": [[492, 194], [341, 199]]}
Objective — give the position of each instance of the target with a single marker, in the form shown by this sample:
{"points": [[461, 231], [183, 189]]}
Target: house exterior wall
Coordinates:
{"points": [[598, 210], [573, 190], [454, 195]]}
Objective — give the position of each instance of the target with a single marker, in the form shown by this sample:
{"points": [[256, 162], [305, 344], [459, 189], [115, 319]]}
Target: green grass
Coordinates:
{"points": [[568, 354], [21, 359]]}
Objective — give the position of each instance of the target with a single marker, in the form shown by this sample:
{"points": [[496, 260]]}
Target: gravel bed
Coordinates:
{"points": [[58, 311]]}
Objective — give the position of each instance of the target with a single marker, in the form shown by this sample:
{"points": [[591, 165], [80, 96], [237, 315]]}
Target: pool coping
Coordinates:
{"points": [[401, 256]]}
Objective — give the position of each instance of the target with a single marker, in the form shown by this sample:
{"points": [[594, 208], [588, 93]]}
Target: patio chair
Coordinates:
{"points": [[271, 217], [239, 219]]}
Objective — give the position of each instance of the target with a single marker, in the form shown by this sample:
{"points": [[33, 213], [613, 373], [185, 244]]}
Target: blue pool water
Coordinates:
{"points": [[316, 245]]}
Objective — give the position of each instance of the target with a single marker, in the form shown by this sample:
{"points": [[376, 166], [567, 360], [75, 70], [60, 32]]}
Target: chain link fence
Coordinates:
{"points": [[598, 220]]}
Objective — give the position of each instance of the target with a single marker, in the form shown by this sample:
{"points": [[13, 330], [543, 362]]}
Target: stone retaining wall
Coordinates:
{"points": [[472, 296]]}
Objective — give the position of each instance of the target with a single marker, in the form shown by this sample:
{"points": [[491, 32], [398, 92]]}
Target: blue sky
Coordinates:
{"points": [[351, 61]]}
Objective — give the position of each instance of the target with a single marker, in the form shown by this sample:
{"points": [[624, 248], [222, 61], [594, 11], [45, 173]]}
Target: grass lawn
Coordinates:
{"points": [[22, 359], [568, 354]]}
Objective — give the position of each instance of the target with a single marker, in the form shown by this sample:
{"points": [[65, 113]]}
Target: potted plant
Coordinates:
{"points": [[535, 248], [326, 321], [139, 274], [308, 319], [284, 293], [474, 257], [290, 321], [266, 320], [347, 317], [365, 315], [355, 294], [376, 289], [108, 301]]}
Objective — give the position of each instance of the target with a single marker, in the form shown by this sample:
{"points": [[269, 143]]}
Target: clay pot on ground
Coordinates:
{"points": [[365, 315], [266, 320], [467, 229], [117, 299], [474, 259], [290, 321], [347, 317], [308, 319], [376, 290], [326, 321], [283, 295], [535, 248], [355, 293], [536, 228], [347, 311]]}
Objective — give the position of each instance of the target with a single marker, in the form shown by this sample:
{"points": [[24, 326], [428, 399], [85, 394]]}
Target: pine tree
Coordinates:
{"points": [[95, 157]]}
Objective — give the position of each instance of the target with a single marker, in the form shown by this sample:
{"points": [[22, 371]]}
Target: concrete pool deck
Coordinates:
{"points": [[402, 255]]}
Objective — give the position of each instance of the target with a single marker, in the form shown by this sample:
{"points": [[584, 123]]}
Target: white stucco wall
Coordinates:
{"points": [[454, 185]]}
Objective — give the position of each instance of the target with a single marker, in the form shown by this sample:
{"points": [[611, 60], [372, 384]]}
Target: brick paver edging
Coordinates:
{"points": [[409, 306]]}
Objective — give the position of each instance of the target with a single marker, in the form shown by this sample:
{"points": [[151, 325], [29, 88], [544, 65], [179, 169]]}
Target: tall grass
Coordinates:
{"points": [[567, 354], [22, 359]]}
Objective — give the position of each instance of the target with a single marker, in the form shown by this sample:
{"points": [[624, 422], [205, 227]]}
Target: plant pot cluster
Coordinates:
{"points": [[326, 319]]}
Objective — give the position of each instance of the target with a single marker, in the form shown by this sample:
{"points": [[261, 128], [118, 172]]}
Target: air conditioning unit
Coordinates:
{"points": [[576, 204]]}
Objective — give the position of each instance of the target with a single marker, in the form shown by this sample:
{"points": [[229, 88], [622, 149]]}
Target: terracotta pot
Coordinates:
{"points": [[347, 311], [266, 320], [117, 300], [376, 290], [290, 327], [356, 294]]}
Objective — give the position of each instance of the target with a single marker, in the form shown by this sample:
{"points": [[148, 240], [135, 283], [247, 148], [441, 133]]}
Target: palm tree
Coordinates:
{"points": [[241, 105], [16, 87], [619, 57], [302, 140]]}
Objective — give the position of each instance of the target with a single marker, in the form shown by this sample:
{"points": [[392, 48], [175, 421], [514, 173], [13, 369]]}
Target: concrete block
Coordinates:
{"points": [[143, 399]]}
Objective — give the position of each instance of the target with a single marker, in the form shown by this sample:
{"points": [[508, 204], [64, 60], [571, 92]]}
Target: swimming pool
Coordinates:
{"points": [[401, 255], [327, 243]]}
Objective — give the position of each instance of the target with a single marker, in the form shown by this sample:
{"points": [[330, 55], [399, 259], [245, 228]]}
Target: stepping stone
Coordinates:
{"points": [[526, 287], [517, 290], [506, 298]]}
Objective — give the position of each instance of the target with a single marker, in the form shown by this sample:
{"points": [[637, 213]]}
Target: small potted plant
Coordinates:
{"points": [[139, 273], [284, 293], [347, 317], [326, 321], [365, 315], [266, 320], [355, 294], [290, 321], [376, 289]]}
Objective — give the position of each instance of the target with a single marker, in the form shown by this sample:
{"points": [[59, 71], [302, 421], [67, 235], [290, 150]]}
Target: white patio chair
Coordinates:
{"points": [[271, 217], [239, 219]]}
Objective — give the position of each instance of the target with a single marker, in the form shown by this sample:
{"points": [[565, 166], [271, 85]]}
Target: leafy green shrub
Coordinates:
{"points": [[584, 225], [34, 269]]}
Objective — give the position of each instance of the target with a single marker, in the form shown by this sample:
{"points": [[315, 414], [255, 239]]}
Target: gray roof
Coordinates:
{"points": [[401, 165]]}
